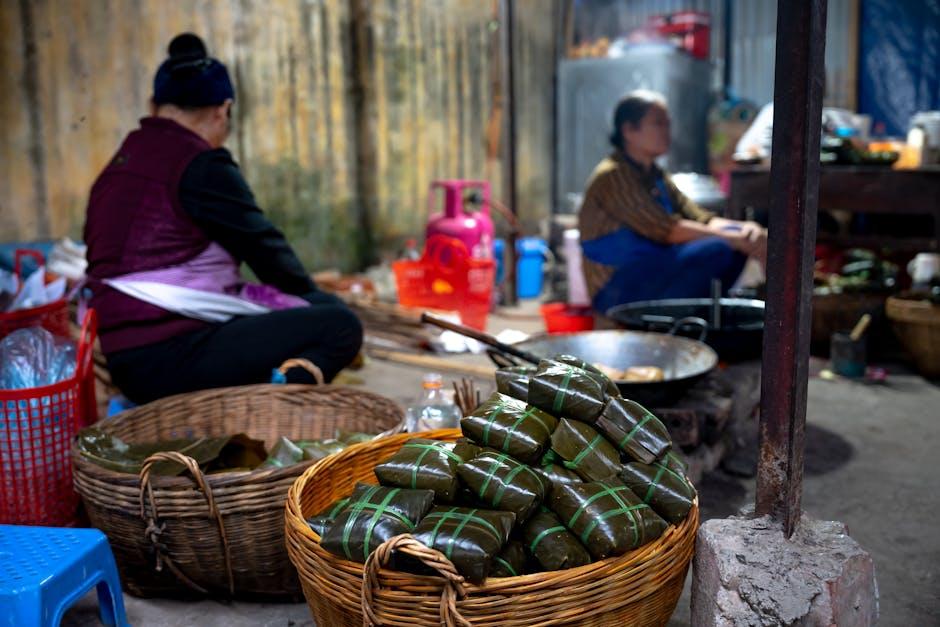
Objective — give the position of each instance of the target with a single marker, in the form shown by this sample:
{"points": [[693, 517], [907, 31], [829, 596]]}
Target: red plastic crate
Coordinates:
{"points": [[447, 278], [36, 430]]}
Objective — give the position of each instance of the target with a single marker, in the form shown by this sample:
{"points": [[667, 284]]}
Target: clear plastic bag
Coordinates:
{"points": [[33, 357]]}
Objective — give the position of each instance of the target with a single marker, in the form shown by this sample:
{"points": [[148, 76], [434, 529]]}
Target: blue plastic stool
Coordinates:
{"points": [[45, 570]]}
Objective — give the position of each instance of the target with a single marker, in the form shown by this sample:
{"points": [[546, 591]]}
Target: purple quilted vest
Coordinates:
{"points": [[134, 223]]}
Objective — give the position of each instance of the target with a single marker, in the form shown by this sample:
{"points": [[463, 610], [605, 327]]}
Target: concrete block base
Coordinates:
{"points": [[747, 574]]}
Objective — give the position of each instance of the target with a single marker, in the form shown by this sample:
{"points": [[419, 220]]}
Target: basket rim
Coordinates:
{"points": [[295, 523], [238, 477]]}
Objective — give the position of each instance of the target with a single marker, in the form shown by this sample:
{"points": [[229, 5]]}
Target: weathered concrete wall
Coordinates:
{"points": [[76, 75]]}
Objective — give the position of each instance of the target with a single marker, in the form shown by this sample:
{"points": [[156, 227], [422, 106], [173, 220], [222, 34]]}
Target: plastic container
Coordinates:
{"points": [[531, 253], [474, 229], [448, 279], [564, 318], [36, 430], [54, 316], [434, 410], [848, 355], [689, 30], [577, 286]]}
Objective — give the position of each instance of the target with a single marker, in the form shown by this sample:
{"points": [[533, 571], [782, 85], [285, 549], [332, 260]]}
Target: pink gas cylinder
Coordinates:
{"points": [[472, 227]]}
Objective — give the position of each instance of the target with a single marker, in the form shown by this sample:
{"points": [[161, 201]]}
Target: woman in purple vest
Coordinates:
{"points": [[169, 222]]}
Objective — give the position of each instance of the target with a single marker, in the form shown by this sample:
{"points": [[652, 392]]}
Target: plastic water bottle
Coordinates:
{"points": [[434, 410]]}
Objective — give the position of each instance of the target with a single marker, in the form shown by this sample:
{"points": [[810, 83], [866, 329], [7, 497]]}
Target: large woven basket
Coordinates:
{"points": [[222, 534], [917, 324], [639, 588]]}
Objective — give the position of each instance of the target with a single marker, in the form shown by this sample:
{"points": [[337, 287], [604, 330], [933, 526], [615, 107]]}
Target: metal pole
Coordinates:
{"points": [[511, 183], [794, 173]]}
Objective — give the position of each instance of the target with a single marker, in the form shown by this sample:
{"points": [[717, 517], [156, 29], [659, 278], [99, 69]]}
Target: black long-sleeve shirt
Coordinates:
{"points": [[215, 194]]}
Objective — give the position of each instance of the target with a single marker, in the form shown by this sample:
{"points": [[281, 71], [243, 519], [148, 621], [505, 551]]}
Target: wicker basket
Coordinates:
{"points": [[917, 324], [223, 534], [639, 588]]}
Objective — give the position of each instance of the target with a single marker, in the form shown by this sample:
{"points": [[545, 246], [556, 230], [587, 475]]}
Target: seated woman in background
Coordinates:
{"points": [[642, 238], [169, 222]]}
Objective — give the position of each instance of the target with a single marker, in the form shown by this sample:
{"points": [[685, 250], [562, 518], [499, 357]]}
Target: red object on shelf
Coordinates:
{"points": [[690, 30], [36, 430], [54, 316], [447, 278], [564, 318]]}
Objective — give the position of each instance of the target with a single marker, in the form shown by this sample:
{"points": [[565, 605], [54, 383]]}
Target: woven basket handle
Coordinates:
{"points": [[405, 543], [154, 529], [306, 364]]}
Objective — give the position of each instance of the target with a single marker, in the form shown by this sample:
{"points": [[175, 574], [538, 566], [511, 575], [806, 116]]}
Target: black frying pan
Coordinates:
{"points": [[684, 361]]}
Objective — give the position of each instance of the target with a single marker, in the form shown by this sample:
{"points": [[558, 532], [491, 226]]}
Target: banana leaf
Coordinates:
{"points": [[592, 371], [514, 381], [606, 516], [234, 452], [566, 391], [511, 562], [318, 449], [635, 430], [373, 515], [284, 453], [353, 437], [427, 465], [585, 451], [668, 492], [510, 426], [552, 545], [503, 483], [321, 521], [470, 538], [554, 474]]}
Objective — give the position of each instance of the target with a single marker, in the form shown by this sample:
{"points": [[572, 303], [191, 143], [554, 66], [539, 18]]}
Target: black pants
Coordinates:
{"points": [[240, 352]]}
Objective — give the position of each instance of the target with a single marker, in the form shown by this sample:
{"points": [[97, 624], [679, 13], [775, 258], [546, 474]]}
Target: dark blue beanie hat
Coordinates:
{"points": [[190, 77]]}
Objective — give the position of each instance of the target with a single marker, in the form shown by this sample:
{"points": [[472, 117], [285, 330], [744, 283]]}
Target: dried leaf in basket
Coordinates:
{"points": [[585, 451], [503, 483], [427, 465], [635, 430], [510, 426], [551, 544], [606, 516], [373, 515], [321, 521], [555, 474], [470, 538], [593, 371], [564, 390], [668, 492], [511, 562], [514, 381]]}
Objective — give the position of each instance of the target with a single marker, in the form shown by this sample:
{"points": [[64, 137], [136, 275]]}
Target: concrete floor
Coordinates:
{"points": [[868, 463]]}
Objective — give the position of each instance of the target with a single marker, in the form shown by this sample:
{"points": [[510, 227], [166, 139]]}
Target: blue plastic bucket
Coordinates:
{"points": [[530, 253]]}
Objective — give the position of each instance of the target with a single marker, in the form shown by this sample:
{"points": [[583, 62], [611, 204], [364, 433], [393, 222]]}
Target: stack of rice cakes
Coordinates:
{"points": [[555, 470]]}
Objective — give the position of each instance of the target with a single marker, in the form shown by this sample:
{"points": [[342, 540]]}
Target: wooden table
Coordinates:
{"points": [[859, 189]]}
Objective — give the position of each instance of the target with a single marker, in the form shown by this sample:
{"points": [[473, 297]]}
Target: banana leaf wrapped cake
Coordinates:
{"points": [[592, 371], [503, 483], [514, 381], [511, 562], [320, 521], [373, 515], [635, 430], [470, 538], [427, 465], [553, 474], [566, 391], [660, 486], [606, 516], [585, 451], [551, 544], [510, 426]]}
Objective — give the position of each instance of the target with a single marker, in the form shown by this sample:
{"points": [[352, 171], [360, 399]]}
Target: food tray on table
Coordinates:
{"points": [[219, 535], [640, 587]]}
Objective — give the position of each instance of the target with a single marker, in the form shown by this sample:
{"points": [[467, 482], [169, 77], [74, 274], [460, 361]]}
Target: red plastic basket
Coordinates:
{"points": [[36, 430], [448, 278], [564, 318], [54, 317]]}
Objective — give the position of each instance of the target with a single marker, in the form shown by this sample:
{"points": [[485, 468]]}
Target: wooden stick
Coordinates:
{"points": [[860, 327], [433, 363]]}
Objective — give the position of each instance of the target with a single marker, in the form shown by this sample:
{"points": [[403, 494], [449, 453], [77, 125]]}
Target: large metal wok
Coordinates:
{"points": [[683, 361]]}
